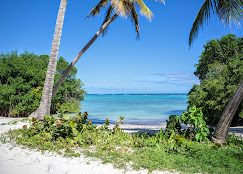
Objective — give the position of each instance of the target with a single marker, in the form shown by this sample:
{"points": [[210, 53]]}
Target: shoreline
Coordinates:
{"points": [[18, 160], [131, 128]]}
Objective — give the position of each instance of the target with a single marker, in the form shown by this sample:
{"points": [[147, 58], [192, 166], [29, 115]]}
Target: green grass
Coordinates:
{"points": [[123, 150]]}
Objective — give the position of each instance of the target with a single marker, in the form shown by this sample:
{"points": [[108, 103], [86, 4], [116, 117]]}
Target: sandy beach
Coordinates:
{"points": [[15, 159]]}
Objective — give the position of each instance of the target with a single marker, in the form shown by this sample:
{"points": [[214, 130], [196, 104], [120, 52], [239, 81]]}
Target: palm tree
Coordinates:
{"points": [[45, 104], [229, 12], [226, 118], [124, 8]]}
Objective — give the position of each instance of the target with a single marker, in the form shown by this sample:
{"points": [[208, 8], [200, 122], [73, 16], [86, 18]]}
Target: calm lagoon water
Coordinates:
{"points": [[151, 109]]}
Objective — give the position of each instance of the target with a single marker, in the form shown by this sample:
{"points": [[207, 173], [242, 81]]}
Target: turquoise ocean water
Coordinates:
{"points": [[150, 109]]}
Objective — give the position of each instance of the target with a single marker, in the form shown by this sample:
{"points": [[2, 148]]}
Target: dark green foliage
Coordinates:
{"points": [[67, 107], [22, 77], [174, 124], [70, 93], [199, 130], [193, 117], [220, 71]]}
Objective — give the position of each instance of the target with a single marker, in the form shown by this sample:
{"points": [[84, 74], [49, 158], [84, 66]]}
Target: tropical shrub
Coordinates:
{"points": [[62, 127], [22, 77], [77, 131], [220, 71], [198, 129], [173, 124]]}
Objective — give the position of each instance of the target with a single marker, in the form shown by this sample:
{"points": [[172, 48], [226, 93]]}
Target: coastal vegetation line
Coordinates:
{"points": [[198, 148]]}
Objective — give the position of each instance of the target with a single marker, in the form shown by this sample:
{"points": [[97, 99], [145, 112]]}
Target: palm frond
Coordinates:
{"points": [[107, 17], [202, 18], [144, 10], [161, 1], [118, 6], [230, 12], [96, 10], [134, 18], [124, 8]]}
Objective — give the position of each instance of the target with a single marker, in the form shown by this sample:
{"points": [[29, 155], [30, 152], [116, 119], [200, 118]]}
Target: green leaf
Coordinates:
{"points": [[180, 138], [71, 124], [75, 131], [197, 136], [196, 123], [65, 117]]}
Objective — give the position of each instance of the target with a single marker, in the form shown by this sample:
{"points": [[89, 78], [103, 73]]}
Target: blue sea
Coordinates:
{"points": [[149, 109]]}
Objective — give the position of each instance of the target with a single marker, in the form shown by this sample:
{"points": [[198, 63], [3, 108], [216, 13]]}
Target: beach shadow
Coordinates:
{"points": [[141, 130]]}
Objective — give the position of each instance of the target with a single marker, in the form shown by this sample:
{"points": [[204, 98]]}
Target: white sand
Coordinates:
{"points": [[15, 160]]}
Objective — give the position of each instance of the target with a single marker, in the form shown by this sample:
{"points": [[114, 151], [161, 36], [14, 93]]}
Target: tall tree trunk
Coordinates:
{"points": [[71, 65], [226, 118], [45, 104]]}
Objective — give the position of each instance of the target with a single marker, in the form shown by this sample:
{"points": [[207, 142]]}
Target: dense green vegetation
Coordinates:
{"points": [[220, 71], [21, 80], [172, 149]]}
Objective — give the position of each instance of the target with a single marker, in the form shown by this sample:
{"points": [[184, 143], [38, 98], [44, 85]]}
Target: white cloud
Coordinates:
{"points": [[173, 79]]}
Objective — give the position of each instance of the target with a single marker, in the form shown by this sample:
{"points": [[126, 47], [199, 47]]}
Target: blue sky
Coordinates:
{"points": [[159, 62]]}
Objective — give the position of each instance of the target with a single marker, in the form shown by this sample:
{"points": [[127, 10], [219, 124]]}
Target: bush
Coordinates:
{"points": [[193, 117], [220, 71], [22, 77]]}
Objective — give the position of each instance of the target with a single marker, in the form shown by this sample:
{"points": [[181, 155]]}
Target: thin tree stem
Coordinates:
{"points": [[65, 73], [71, 65]]}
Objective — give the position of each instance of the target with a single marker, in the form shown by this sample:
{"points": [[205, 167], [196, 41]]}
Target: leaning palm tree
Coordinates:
{"points": [[124, 8], [45, 104], [229, 12]]}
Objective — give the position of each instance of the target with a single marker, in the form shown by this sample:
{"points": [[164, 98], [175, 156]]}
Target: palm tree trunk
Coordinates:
{"points": [[226, 118], [64, 75], [45, 104], [71, 65]]}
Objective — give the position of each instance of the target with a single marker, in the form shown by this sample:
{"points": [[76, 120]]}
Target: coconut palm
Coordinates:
{"points": [[229, 12], [124, 8], [226, 118], [45, 104]]}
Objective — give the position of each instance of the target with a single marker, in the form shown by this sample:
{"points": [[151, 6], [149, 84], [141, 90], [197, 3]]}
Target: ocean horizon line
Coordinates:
{"points": [[139, 94]]}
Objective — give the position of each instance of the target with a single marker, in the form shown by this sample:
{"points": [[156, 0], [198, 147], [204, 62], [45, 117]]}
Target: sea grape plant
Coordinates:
{"points": [[198, 129]]}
